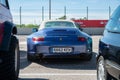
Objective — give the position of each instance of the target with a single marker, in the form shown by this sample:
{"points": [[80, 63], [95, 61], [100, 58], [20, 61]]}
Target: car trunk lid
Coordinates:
{"points": [[61, 35], [61, 32]]}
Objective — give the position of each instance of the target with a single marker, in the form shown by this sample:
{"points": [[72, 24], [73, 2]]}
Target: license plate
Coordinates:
{"points": [[62, 50]]}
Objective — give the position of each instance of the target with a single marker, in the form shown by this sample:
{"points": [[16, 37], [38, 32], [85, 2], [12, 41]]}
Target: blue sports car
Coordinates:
{"points": [[59, 39]]}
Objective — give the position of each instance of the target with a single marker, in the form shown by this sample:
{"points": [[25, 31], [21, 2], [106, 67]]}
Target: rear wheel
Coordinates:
{"points": [[9, 67], [89, 57], [31, 58], [102, 73], [91, 53]]}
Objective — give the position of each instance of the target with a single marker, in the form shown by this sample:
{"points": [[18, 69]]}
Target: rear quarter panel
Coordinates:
{"points": [[109, 48], [6, 23]]}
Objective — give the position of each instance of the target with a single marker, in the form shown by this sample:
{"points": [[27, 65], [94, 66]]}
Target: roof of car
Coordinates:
{"points": [[57, 20], [43, 22]]}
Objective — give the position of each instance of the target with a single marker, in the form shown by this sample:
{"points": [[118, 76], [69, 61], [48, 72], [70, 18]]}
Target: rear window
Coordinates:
{"points": [[114, 23], [58, 24]]}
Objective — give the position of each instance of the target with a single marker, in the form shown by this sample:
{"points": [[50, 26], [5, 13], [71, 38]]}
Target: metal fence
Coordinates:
{"points": [[35, 16]]}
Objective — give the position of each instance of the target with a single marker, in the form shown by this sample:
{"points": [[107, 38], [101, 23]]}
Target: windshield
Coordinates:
{"points": [[58, 24], [114, 23]]}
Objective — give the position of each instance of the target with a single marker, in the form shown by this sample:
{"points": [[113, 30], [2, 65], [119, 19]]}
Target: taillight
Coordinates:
{"points": [[82, 39], [1, 32], [38, 38]]}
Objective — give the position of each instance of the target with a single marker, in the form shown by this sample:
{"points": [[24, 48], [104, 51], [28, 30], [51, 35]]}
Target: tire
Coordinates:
{"points": [[30, 58], [91, 53], [102, 73], [89, 57], [9, 68]]}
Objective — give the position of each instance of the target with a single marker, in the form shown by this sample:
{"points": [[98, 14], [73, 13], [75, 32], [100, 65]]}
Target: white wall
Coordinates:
{"points": [[94, 31], [24, 31], [91, 31]]}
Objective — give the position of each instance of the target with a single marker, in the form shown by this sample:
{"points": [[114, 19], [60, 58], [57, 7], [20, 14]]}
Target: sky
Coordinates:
{"points": [[32, 9]]}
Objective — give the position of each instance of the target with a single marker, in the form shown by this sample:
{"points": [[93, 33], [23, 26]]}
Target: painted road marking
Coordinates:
{"points": [[23, 42], [23, 57], [56, 74]]}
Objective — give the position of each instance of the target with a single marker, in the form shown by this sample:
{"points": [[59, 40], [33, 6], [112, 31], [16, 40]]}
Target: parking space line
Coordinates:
{"points": [[24, 42], [23, 57], [57, 74]]}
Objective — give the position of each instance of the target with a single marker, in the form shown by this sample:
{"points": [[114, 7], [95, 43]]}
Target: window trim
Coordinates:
{"points": [[7, 5]]}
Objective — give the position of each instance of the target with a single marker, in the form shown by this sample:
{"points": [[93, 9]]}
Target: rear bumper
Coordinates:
{"points": [[79, 51], [76, 49]]}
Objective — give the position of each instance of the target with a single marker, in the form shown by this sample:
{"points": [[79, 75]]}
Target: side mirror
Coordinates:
{"points": [[34, 30], [78, 26], [80, 29]]}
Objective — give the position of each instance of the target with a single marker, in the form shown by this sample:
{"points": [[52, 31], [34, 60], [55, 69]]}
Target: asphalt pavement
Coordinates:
{"points": [[57, 69]]}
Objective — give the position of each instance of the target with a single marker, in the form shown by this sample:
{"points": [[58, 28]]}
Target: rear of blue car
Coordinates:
{"points": [[59, 43]]}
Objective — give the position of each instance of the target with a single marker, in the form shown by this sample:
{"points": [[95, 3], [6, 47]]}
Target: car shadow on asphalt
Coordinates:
{"points": [[23, 60], [32, 79], [74, 64]]}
